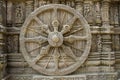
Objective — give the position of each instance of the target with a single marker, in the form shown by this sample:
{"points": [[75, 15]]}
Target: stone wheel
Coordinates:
{"points": [[55, 40]]}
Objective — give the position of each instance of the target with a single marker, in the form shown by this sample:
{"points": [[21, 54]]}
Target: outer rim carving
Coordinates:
{"points": [[79, 62]]}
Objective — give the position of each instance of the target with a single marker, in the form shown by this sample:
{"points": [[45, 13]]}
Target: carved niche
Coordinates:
{"points": [[55, 39]]}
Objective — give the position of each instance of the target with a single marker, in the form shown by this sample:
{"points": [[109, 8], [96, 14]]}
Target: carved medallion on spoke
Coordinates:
{"points": [[55, 40]]}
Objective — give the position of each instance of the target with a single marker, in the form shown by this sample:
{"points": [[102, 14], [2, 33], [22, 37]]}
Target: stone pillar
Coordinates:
{"points": [[2, 66], [1, 30], [105, 15], [79, 6], [88, 11], [108, 57], [2, 43], [29, 7], [97, 12]]}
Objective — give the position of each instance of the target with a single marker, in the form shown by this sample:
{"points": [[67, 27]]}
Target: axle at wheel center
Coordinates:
{"points": [[55, 39]]}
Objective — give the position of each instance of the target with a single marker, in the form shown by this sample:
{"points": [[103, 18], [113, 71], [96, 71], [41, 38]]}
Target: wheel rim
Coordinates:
{"points": [[55, 40]]}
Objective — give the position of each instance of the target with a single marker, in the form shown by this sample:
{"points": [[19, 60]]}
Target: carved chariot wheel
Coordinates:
{"points": [[55, 39]]}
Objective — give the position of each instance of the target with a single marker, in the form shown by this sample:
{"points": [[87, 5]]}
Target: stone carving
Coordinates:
{"points": [[29, 7], [19, 13], [105, 15], [9, 13], [99, 43], [88, 11], [70, 3], [12, 43], [42, 2], [79, 6], [104, 55], [56, 40], [97, 12]]}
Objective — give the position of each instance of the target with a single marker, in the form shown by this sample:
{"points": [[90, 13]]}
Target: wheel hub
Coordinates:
{"points": [[55, 39]]}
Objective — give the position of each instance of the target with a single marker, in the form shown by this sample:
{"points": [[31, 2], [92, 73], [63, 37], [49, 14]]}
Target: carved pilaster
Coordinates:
{"points": [[97, 12], [79, 5], [9, 13], [99, 46], [105, 15], [36, 4], [29, 7], [2, 30], [19, 9], [116, 19], [1, 11], [88, 11], [2, 44], [2, 57], [107, 56]]}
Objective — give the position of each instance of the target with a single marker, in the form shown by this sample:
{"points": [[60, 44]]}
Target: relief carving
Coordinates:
{"points": [[88, 11], [9, 13], [19, 13], [97, 13], [42, 2], [29, 7], [55, 39]]}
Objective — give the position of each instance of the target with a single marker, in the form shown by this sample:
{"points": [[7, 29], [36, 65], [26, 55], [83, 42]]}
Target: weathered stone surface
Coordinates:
{"points": [[59, 37], [103, 16]]}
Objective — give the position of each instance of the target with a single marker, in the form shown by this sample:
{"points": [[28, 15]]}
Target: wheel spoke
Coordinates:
{"points": [[65, 29], [33, 30], [34, 49], [76, 30], [68, 44], [71, 21], [43, 27], [64, 61], [39, 39], [73, 38], [64, 15], [38, 20], [44, 51], [56, 56], [69, 52], [55, 14], [48, 61]]}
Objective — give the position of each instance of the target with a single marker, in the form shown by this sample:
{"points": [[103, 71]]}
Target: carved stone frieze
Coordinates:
{"points": [[56, 41]]}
